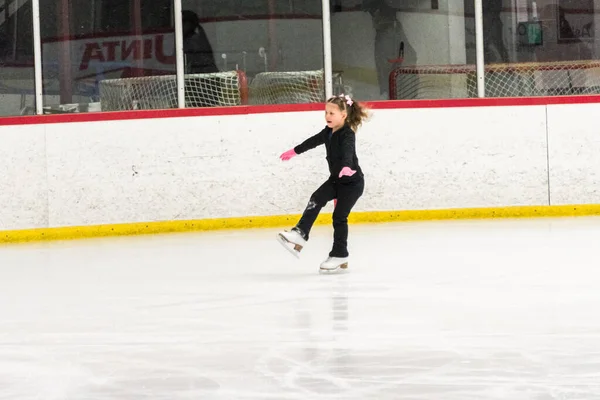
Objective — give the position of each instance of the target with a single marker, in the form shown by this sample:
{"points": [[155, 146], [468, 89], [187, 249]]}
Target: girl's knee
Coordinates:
{"points": [[318, 201]]}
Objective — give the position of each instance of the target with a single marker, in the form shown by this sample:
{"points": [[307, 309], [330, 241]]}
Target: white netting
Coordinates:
{"points": [[160, 92], [287, 87], [501, 80]]}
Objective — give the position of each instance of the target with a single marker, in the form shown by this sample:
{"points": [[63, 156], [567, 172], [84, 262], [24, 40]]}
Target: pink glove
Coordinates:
{"points": [[288, 154], [334, 203], [346, 171]]}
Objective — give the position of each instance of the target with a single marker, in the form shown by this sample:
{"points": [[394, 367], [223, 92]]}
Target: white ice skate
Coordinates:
{"points": [[292, 241], [334, 265]]}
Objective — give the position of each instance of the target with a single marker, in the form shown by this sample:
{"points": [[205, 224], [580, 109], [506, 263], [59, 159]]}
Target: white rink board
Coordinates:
{"points": [[137, 170], [176, 168], [574, 149], [145, 170], [455, 157], [23, 183], [218, 167]]}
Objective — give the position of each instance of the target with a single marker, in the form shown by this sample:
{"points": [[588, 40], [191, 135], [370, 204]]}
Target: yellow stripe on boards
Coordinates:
{"points": [[280, 221]]}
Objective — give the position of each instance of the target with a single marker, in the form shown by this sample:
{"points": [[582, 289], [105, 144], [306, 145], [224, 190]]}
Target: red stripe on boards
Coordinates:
{"points": [[263, 109]]}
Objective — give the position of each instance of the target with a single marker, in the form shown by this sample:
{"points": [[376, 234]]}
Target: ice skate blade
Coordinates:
{"points": [[342, 269], [289, 246]]}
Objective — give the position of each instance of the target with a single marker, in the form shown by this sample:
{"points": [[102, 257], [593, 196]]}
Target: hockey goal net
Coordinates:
{"points": [[287, 87], [160, 92], [501, 80]]}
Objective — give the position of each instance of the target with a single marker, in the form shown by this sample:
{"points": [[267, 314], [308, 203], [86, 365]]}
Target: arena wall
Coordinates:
{"points": [[184, 169]]}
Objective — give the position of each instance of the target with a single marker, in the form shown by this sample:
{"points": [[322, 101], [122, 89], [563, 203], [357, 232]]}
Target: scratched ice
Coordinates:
{"points": [[442, 310]]}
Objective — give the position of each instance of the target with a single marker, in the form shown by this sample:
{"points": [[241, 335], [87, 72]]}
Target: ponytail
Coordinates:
{"points": [[357, 112]]}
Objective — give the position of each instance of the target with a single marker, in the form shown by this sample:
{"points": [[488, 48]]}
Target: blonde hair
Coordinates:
{"points": [[357, 112]]}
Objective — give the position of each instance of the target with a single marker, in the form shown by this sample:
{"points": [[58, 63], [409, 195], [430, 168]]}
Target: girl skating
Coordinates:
{"points": [[345, 184]]}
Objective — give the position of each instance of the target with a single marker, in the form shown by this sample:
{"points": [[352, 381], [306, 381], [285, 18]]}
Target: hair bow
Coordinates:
{"points": [[348, 99]]}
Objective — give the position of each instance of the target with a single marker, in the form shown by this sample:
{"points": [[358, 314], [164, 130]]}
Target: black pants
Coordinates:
{"points": [[347, 195]]}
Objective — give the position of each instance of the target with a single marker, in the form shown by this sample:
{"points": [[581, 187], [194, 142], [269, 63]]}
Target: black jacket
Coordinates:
{"points": [[341, 151]]}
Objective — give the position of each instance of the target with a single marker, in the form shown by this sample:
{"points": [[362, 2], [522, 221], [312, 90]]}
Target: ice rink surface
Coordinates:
{"points": [[463, 310]]}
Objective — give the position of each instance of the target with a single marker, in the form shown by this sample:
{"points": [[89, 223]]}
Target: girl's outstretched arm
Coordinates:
{"points": [[308, 144], [311, 142]]}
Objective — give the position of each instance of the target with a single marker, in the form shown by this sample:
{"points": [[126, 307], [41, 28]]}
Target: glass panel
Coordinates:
{"points": [[16, 58], [399, 49], [108, 55], [252, 52], [540, 48]]}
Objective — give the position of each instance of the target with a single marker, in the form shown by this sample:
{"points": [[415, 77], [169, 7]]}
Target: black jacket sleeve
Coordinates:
{"points": [[348, 149], [311, 143]]}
